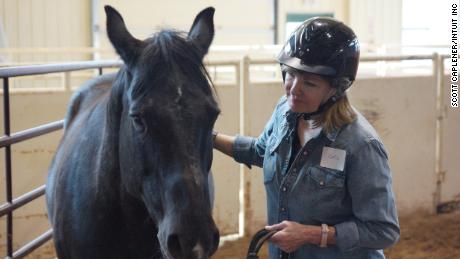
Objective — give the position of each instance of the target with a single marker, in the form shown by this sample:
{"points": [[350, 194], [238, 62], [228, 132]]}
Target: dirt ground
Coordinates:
{"points": [[423, 236]]}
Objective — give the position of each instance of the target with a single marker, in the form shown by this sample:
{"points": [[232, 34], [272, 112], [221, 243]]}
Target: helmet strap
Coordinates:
{"points": [[323, 107]]}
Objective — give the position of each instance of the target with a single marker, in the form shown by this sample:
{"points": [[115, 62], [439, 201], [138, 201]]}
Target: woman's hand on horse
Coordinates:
{"points": [[292, 235]]}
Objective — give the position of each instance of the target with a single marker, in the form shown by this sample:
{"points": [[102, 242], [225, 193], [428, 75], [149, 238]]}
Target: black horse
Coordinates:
{"points": [[129, 179]]}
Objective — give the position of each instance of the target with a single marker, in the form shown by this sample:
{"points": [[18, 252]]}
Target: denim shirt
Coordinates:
{"points": [[358, 200]]}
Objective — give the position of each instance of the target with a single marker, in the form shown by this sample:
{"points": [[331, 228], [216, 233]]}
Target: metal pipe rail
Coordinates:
{"points": [[9, 139], [30, 133], [34, 244], [22, 200], [56, 68]]}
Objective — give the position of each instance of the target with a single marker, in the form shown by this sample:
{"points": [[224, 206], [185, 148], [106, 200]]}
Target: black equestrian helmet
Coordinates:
{"points": [[323, 46]]}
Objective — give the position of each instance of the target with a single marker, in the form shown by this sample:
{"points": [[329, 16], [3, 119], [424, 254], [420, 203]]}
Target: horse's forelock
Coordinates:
{"points": [[169, 59]]}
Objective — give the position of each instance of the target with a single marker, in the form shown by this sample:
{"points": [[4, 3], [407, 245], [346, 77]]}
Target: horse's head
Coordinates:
{"points": [[165, 139]]}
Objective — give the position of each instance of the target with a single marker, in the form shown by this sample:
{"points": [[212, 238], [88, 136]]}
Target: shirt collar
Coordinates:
{"points": [[332, 136]]}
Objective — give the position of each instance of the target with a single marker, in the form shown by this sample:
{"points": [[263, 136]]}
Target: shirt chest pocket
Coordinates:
{"points": [[323, 191], [325, 178]]}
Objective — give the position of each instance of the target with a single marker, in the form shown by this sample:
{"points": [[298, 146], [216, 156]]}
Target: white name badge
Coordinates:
{"points": [[333, 158]]}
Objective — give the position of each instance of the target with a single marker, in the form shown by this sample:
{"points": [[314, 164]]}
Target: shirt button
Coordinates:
{"points": [[305, 153], [284, 189], [295, 169], [283, 209], [321, 183]]}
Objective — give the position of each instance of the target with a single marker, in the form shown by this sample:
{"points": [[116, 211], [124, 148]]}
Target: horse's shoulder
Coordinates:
{"points": [[87, 95]]}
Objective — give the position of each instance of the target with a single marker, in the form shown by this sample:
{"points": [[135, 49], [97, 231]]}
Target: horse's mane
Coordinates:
{"points": [[168, 51]]}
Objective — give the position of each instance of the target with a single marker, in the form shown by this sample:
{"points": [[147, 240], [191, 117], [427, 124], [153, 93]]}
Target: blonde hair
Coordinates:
{"points": [[338, 115]]}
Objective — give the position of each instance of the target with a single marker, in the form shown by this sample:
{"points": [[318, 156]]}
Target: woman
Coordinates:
{"points": [[326, 173]]}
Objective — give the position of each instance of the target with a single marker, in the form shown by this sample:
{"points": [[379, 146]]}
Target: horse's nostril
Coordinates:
{"points": [[174, 246]]}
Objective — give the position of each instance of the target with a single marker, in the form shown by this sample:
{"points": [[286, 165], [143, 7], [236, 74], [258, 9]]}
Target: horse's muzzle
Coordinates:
{"points": [[194, 245]]}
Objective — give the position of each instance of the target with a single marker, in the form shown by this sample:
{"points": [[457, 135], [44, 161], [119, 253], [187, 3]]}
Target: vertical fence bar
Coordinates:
{"points": [[275, 21], [9, 192], [244, 129], [439, 170], [238, 77], [100, 70]]}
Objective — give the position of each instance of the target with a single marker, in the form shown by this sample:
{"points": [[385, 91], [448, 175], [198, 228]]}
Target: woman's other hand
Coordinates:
{"points": [[292, 235]]}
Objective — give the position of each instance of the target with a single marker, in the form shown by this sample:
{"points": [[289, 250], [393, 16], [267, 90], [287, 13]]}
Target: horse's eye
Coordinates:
{"points": [[138, 123]]}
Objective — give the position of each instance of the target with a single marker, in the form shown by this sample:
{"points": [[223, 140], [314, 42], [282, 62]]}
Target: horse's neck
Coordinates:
{"points": [[107, 161]]}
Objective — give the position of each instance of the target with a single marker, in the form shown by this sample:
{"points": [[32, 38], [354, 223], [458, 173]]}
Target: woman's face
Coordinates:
{"points": [[306, 92]]}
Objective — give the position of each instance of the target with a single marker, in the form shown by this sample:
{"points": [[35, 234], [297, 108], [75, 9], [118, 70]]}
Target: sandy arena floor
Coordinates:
{"points": [[423, 236]]}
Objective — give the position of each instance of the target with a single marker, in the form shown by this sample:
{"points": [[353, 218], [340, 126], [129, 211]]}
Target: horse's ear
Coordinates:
{"points": [[124, 43], [202, 31]]}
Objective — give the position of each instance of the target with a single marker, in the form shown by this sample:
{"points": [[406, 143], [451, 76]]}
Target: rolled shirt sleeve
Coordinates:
{"points": [[375, 223], [243, 150]]}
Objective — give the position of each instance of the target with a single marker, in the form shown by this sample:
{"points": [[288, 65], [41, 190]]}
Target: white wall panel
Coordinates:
{"points": [[10, 12], [55, 23], [225, 170], [262, 102], [376, 22], [403, 111], [46, 23], [52, 23], [236, 22], [25, 23], [38, 29]]}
